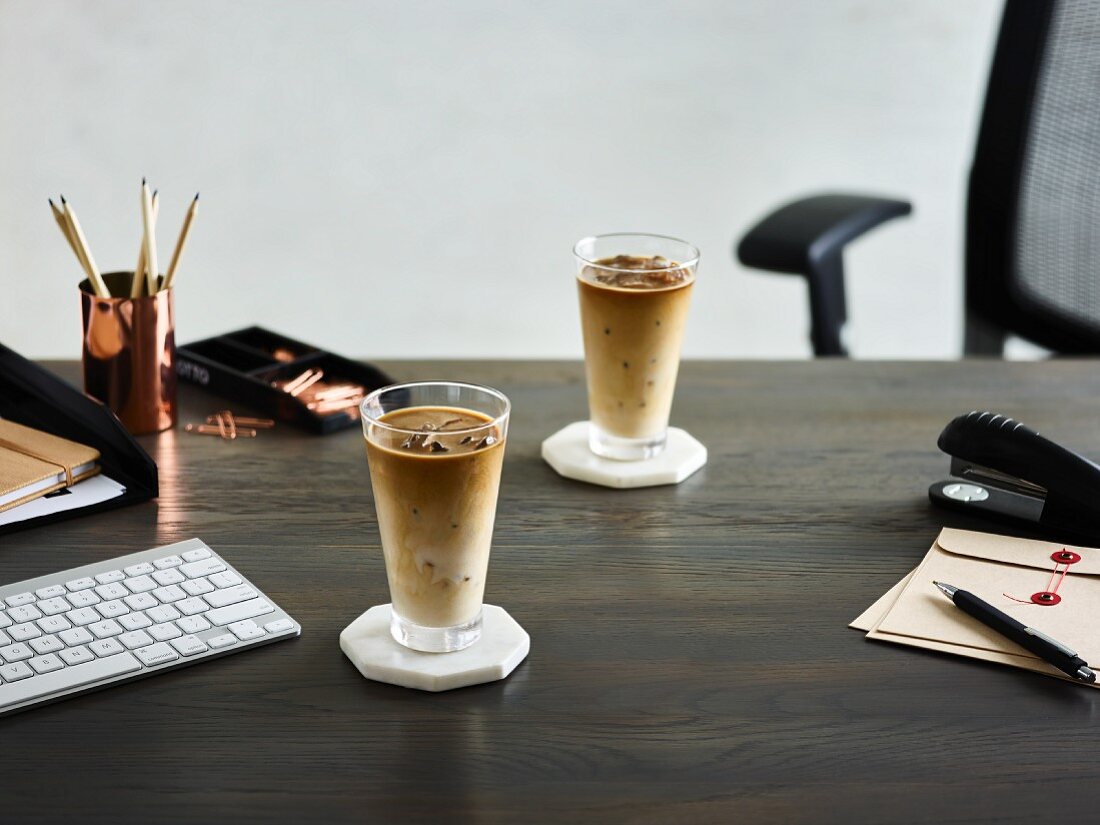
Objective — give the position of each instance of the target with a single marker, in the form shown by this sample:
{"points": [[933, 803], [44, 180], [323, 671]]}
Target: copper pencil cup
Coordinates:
{"points": [[129, 354]]}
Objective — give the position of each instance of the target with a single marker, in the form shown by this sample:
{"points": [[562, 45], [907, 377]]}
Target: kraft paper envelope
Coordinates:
{"points": [[869, 618], [993, 568]]}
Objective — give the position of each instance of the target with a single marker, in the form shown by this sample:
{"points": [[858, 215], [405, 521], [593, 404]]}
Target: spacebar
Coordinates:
{"points": [[12, 693]]}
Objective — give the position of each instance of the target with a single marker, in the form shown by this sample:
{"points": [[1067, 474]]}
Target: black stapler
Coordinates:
{"points": [[1003, 469]]}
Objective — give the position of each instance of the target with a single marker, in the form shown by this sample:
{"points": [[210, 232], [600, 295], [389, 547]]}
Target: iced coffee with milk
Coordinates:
{"points": [[435, 451], [634, 296]]}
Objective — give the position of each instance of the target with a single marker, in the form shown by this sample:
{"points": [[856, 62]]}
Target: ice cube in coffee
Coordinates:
{"points": [[634, 304]]}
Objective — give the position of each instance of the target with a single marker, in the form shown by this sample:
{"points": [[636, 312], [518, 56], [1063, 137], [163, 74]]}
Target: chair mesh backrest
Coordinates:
{"points": [[1057, 237]]}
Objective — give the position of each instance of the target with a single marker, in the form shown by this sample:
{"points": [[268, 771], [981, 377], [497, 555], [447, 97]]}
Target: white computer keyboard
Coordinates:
{"points": [[126, 618]]}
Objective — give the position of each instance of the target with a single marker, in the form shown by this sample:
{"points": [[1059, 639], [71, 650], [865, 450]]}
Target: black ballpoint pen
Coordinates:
{"points": [[1026, 637]]}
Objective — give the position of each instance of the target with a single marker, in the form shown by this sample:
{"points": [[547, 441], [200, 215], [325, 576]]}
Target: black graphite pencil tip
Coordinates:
{"points": [[143, 181], [63, 201], [196, 196]]}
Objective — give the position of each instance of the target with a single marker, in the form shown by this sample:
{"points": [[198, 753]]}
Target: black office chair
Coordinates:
{"points": [[1033, 205]]}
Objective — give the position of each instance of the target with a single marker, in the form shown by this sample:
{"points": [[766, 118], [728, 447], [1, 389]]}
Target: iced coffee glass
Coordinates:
{"points": [[435, 450], [634, 296]]}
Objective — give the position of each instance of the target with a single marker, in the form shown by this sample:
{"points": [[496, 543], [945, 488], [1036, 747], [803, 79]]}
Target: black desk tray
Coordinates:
{"points": [[241, 366], [34, 396]]}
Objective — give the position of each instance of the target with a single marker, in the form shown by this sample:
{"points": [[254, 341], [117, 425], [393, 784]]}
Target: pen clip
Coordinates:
{"points": [[1031, 631]]}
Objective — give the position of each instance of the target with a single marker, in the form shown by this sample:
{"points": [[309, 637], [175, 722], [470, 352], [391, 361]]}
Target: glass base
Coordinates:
{"points": [[435, 639], [617, 448]]}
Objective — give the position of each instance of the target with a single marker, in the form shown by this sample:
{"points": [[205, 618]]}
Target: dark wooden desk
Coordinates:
{"points": [[690, 659]]}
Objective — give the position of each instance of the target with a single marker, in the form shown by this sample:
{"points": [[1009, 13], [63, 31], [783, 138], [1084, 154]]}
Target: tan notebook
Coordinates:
{"points": [[34, 463]]}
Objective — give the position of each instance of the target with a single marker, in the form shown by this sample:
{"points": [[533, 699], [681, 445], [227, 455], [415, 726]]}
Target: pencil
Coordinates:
{"points": [[63, 226], [150, 225], [185, 230], [83, 252], [139, 270]]}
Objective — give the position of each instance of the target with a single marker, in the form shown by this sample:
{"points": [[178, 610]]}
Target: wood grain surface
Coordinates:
{"points": [[690, 660]]}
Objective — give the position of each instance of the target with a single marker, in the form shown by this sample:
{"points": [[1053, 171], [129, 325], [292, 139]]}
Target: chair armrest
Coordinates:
{"points": [[812, 229], [806, 237]]}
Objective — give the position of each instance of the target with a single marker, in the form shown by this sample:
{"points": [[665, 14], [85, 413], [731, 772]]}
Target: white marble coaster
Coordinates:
{"points": [[567, 452], [371, 648]]}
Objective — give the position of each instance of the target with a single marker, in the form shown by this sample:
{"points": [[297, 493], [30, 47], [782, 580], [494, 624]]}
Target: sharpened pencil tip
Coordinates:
{"points": [[196, 196], [143, 181], [63, 199]]}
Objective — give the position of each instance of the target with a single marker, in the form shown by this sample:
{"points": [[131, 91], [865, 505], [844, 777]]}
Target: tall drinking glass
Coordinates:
{"points": [[634, 295], [435, 450]]}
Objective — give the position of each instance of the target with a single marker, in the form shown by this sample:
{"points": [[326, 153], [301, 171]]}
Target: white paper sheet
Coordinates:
{"points": [[85, 493]]}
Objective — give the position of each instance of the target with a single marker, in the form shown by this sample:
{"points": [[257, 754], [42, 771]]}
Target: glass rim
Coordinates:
{"points": [[407, 385], [691, 262]]}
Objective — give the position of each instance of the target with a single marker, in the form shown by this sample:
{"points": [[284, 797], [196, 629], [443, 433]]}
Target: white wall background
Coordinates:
{"points": [[407, 178]]}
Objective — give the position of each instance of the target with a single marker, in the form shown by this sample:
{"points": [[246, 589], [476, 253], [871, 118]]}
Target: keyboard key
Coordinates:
{"points": [[85, 583], [15, 672], [105, 647], [22, 632], [225, 640], [15, 653], [46, 644], [191, 606], [278, 626], [142, 569], [141, 584], [189, 645], [226, 579], [6, 622], [169, 594], [46, 664], [196, 555], [171, 576], [111, 609], [247, 630], [76, 636], [230, 595], [105, 629], [167, 561], [67, 678], [110, 576], [237, 612], [26, 613], [193, 624], [4, 639], [202, 568], [53, 624], [164, 632], [112, 591], [141, 601], [196, 587], [156, 654], [82, 616], [164, 613], [134, 621], [20, 599], [84, 598], [51, 607], [136, 639], [76, 655], [50, 592]]}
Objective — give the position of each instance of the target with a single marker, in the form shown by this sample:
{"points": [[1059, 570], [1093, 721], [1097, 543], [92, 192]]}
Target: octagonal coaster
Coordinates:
{"points": [[567, 452], [371, 648]]}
